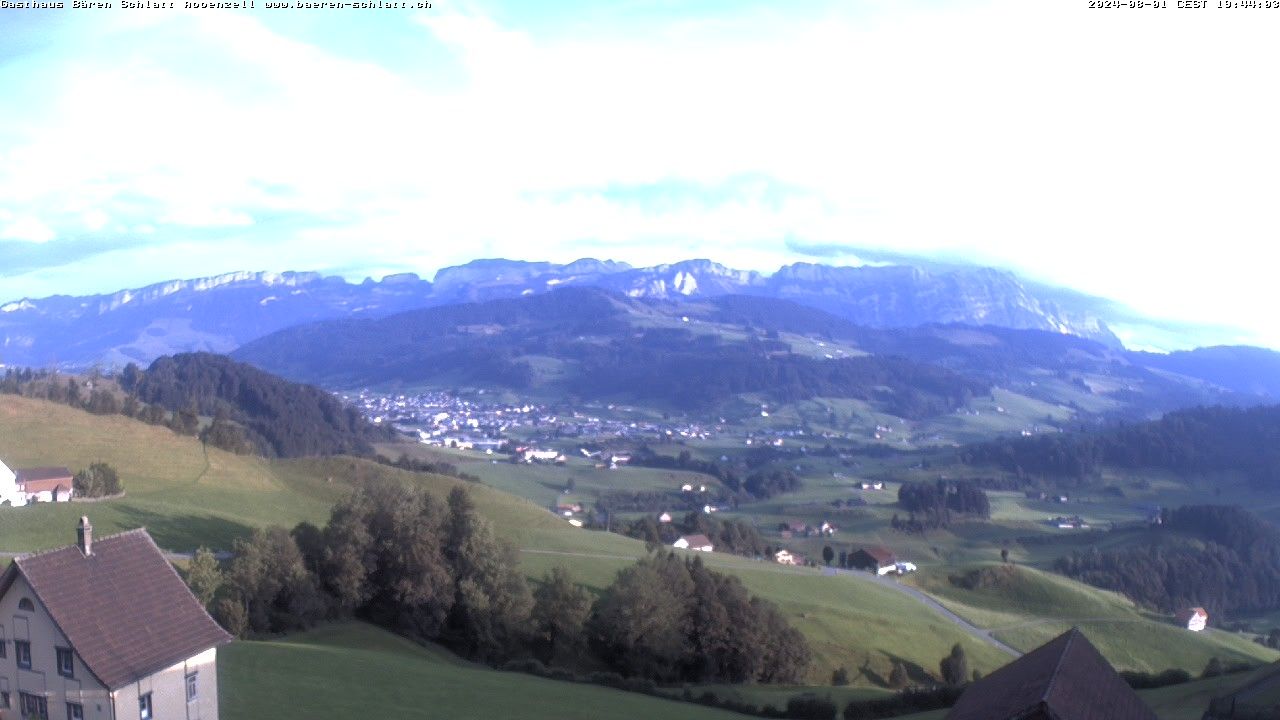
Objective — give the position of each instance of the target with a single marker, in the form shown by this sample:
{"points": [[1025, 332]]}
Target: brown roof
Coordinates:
{"points": [[1064, 679], [697, 540], [124, 609], [880, 554], [39, 474], [1187, 614]]}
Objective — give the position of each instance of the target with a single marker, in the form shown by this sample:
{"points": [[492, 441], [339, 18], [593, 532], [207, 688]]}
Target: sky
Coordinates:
{"points": [[1130, 154]]}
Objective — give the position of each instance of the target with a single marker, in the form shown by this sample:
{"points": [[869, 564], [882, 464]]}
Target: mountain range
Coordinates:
{"points": [[703, 353], [219, 314]]}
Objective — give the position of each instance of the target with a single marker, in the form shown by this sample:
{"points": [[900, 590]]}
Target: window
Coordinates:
{"points": [[75, 711], [34, 706], [66, 667], [144, 707], [22, 651], [4, 699], [192, 687], [26, 604]]}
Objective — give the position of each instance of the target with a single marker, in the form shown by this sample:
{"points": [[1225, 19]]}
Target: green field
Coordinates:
{"points": [[353, 670], [1025, 608]]}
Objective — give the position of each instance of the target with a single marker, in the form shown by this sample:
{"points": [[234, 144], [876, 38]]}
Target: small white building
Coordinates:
{"points": [[701, 543], [27, 485], [664, 517], [785, 557], [1193, 619]]}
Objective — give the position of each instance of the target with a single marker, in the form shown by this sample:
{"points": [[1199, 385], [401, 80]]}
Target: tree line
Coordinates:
{"points": [[1202, 439], [1222, 558], [432, 571], [930, 504]]}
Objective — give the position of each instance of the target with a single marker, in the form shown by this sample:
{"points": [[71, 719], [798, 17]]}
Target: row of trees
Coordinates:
{"points": [[437, 572], [1197, 440], [735, 536], [931, 504]]}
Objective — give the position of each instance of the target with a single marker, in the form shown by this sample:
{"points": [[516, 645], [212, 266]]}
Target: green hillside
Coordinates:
{"points": [[186, 504], [385, 676], [1025, 608]]}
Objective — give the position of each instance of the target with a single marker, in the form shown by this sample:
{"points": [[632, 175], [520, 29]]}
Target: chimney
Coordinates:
{"points": [[84, 536]]}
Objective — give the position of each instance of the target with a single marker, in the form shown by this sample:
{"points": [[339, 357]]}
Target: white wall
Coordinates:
{"points": [[9, 486], [43, 678]]}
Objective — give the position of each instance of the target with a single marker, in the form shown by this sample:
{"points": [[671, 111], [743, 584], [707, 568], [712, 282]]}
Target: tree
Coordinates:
{"points": [[955, 667], [559, 616], [636, 628], [898, 675], [271, 582], [828, 554], [840, 676], [492, 600], [187, 420], [570, 485], [1212, 669], [1004, 555], [204, 576], [98, 480]]}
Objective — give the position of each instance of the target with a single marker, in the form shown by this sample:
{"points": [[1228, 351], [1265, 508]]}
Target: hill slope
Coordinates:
{"points": [[386, 676]]}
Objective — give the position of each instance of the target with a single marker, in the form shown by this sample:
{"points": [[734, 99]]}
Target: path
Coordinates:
{"points": [[964, 625], [922, 597]]}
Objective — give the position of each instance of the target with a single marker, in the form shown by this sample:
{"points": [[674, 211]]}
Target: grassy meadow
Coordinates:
{"points": [[383, 676]]}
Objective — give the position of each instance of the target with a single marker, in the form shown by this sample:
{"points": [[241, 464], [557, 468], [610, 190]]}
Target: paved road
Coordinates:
{"points": [[973, 630], [890, 583]]}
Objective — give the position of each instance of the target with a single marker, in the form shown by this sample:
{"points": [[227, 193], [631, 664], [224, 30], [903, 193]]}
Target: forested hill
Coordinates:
{"points": [[590, 343], [273, 415], [1245, 440]]}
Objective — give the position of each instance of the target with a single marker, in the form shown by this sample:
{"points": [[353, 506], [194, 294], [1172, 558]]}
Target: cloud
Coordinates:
{"points": [[977, 132]]}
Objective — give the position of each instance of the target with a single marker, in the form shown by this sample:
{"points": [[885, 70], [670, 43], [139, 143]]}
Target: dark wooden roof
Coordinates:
{"points": [[124, 609], [696, 541], [1064, 679], [880, 554]]}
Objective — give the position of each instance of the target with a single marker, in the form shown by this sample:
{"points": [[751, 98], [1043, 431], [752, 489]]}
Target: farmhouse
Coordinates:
{"points": [[664, 517], [27, 485], [694, 542], [106, 629], [876, 558], [1193, 619], [1064, 679]]}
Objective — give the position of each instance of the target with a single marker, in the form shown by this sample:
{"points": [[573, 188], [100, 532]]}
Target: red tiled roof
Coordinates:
{"points": [[1064, 679], [124, 609], [1186, 615], [696, 541]]}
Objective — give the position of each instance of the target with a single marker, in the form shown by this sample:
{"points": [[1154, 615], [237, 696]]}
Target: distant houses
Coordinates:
{"points": [[1074, 522], [701, 543], [27, 485], [1064, 679], [1193, 619], [874, 558]]}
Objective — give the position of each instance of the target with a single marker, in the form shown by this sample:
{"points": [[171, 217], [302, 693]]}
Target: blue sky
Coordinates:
{"points": [[1127, 154]]}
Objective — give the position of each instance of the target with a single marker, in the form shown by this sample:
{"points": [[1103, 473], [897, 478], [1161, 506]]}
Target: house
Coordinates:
{"points": [[664, 517], [786, 557], [877, 485], [1064, 679], [876, 558], [106, 629], [28, 485], [693, 542], [1193, 619]]}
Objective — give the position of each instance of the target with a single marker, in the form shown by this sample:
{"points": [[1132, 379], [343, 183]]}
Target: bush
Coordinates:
{"points": [[840, 677], [98, 480], [811, 707], [1146, 681]]}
